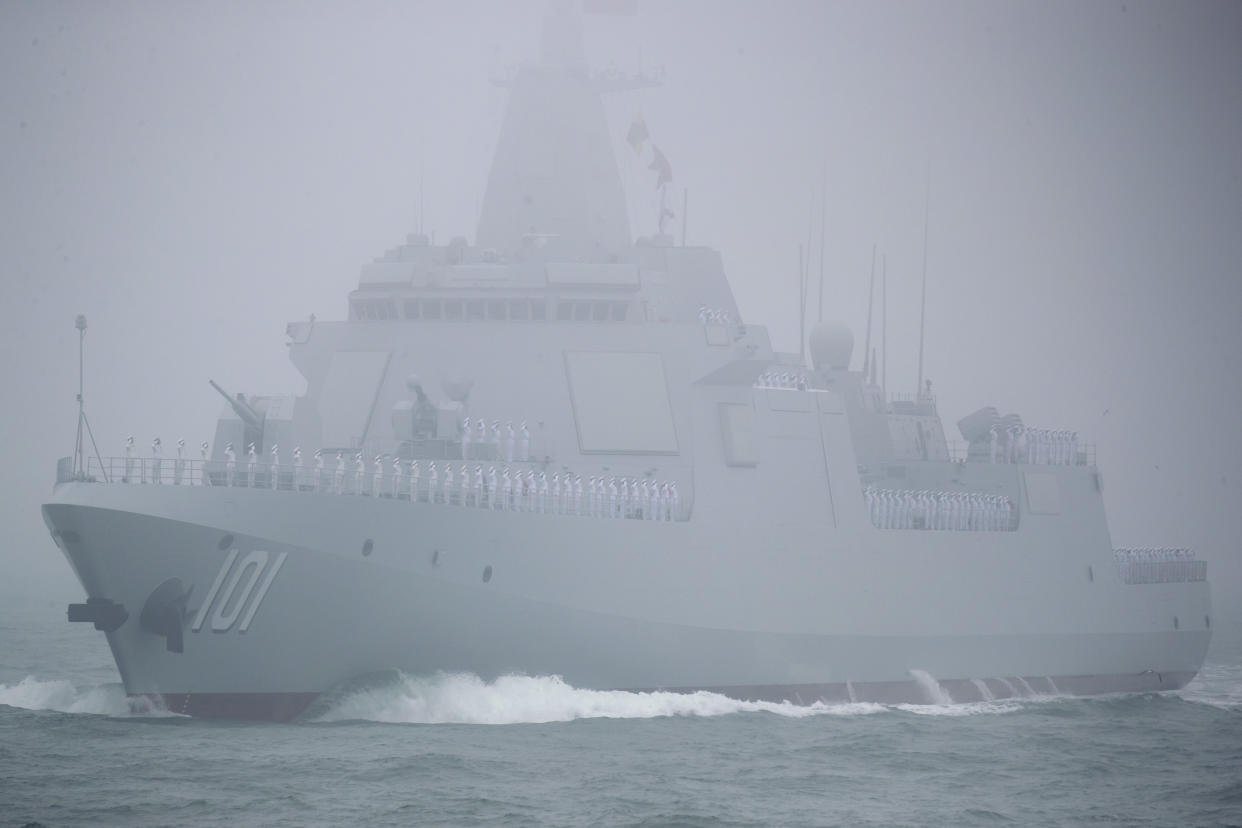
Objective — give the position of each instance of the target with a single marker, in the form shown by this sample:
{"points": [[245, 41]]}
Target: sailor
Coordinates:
{"points": [[377, 477], [509, 438], [275, 465], [204, 450], [230, 463], [992, 438], [506, 490], [339, 474], [129, 459], [252, 462], [1073, 447], [543, 493], [674, 501], [299, 477], [523, 446], [448, 484], [465, 439], [493, 500], [495, 439], [179, 463], [577, 494], [433, 483], [480, 438], [414, 472], [612, 497], [360, 469], [476, 486], [157, 451], [661, 499], [644, 498], [318, 470], [703, 314]]}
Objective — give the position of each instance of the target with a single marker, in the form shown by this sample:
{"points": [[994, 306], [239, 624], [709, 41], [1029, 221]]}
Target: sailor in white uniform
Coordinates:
{"points": [[465, 439], [377, 476], [495, 439], [674, 501], [204, 450], [448, 484], [157, 450], [612, 497], [299, 472], [360, 470], [477, 486], [433, 483], [543, 493], [992, 439], [523, 446], [493, 495], [179, 463], [230, 464], [252, 462], [319, 470], [271, 479], [506, 490], [480, 439], [414, 481], [577, 494], [509, 437], [339, 473], [129, 459], [397, 474]]}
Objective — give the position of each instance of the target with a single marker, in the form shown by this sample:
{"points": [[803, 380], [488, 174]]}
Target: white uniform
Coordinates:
{"points": [[230, 464], [179, 463], [204, 450], [433, 483], [299, 475], [377, 477], [509, 442], [465, 439], [340, 472], [319, 470], [157, 451], [414, 481], [524, 443], [252, 461], [275, 465]]}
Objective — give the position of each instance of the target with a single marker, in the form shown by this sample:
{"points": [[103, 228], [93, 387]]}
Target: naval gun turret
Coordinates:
{"points": [[252, 420]]}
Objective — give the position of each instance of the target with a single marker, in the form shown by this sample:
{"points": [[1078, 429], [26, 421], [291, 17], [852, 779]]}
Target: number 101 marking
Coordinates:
{"points": [[236, 593]]}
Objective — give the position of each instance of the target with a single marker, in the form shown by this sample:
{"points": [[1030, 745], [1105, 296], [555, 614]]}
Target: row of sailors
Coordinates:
{"points": [[777, 379], [714, 316], [157, 461], [513, 490], [481, 442], [1037, 446], [1148, 554], [959, 511]]}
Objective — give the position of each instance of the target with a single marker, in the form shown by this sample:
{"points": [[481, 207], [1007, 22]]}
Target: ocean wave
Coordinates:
{"points": [[516, 699], [63, 696]]}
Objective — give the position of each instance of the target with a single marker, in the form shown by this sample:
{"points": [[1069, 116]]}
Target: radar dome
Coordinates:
{"points": [[412, 382], [456, 387], [832, 345]]}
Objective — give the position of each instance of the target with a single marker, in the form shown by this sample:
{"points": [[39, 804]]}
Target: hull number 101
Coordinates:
{"points": [[239, 589]]}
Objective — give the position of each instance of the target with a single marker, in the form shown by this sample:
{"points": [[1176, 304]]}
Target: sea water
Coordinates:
{"points": [[533, 750]]}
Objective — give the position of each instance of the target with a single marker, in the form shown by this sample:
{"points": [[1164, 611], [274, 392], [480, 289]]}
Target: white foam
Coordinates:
{"points": [[514, 699], [928, 684], [966, 709], [984, 691], [101, 699]]}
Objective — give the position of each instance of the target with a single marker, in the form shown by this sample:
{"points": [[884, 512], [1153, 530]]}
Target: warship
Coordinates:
{"points": [[559, 450]]}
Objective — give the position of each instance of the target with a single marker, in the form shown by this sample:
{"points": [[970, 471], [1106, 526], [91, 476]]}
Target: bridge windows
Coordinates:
{"points": [[490, 310]]}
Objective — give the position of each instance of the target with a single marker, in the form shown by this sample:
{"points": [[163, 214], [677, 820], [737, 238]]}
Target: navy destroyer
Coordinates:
{"points": [[561, 450]]}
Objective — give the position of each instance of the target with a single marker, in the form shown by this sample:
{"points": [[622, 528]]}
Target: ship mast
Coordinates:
{"points": [[79, 450]]}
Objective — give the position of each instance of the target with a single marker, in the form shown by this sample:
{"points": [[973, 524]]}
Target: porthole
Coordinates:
{"points": [[487, 573], [225, 542], [367, 546]]}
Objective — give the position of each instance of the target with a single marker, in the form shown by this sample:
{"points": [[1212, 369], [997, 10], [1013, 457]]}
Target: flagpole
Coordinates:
{"points": [[823, 224]]}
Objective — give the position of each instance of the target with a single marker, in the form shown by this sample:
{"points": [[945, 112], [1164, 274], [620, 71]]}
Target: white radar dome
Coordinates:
{"points": [[832, 345]]}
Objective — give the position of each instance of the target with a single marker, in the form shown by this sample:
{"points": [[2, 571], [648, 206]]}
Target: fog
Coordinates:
{"points": [[194, 176]]}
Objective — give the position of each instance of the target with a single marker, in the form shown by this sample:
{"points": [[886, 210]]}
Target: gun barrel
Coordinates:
{"points": [[248, 414]]}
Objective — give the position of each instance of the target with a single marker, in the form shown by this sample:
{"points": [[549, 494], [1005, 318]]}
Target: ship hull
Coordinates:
{"points": [[288, 596]]}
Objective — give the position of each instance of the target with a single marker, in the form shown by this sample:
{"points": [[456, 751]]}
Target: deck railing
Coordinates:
{"points": [[519, 495]]}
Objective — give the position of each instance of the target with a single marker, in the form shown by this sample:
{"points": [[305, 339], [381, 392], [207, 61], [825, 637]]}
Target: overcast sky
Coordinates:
{"points": [[192, 176]]}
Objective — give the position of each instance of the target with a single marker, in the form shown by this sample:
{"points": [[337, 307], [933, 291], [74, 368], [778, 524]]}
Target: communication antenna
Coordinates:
{"points": [[802, 280], [823, 223], [923, 305], [685, 212], [884, 327], [868, 361], [79, 450]]}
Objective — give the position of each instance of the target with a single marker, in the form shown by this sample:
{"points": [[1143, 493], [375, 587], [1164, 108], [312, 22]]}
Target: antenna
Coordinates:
{"points": [[685, 211], [868, 361], [79, 450], [801, 307], [884, 327], [918, 391], [823, 223]]}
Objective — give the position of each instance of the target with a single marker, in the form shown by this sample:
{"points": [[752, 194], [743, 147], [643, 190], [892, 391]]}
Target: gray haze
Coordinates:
{"points": [[194, 176]]}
